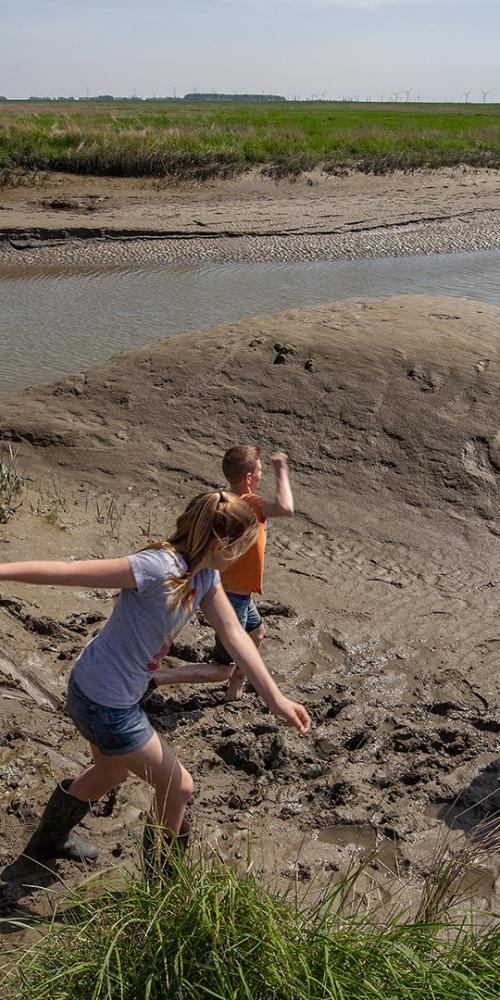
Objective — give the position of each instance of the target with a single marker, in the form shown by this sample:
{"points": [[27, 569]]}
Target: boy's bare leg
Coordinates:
{"points": [[193, 673], [236, 684]]}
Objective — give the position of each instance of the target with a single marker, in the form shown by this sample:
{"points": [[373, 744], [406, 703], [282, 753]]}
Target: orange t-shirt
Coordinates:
{"points": [[245, 575]]}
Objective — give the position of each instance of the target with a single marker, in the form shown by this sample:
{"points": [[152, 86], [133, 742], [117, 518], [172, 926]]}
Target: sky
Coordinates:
{"points": [[418, 49]]}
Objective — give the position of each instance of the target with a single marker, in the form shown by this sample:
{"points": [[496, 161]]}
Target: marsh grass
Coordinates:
{"points": [[194, 142], [208, 933], [450, 870], [11, 485]]}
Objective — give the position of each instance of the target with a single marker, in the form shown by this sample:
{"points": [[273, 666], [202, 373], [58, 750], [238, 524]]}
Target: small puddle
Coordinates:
{"points": [[443, 811], [365, 841], [362, 837]]}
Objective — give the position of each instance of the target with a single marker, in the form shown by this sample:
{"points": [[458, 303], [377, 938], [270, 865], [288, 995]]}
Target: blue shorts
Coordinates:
{"points": [[112, 730], [248, 617]]}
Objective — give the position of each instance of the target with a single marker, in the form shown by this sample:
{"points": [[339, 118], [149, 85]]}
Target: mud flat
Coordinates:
{"points": [[92, 220], [381, 601]]}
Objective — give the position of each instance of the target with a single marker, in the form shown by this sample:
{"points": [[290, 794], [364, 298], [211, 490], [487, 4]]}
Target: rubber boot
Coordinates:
{"points": [[54, 836], [160, 851]]}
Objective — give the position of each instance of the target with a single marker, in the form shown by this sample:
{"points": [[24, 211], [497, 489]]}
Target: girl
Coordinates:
{"points": [[160, 589]]}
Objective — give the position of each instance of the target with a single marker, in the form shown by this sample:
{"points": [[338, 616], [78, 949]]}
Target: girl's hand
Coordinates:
{"points": [[293, 714]]}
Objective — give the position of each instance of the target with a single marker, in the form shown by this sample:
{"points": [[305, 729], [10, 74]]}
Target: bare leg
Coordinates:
{"points": [[104, 774], [154, 763], [236, 684], [193, 673]]}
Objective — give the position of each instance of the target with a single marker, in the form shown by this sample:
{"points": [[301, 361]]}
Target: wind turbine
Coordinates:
{"points": [[485, 94], [466, 95]]}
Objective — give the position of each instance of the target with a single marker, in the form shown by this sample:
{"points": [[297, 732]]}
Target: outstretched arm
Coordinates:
{"points": [[222, 617], [282, 505], [106, 573]]}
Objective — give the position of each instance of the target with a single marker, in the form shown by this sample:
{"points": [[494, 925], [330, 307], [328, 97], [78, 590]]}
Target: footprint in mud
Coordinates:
{"points": [[449, 740], [407, 740], [361, 836], [167, 712], [270, 609], [486, 725], [357, 741], [77, 623], [452, 741], [328, 708], [254, 750]]}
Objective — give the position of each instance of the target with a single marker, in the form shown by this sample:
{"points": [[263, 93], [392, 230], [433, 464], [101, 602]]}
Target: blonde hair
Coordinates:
{"points": [[239, 461], [213, 516]]}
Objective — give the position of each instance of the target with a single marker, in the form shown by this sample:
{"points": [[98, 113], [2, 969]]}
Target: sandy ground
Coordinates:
{"points": [[381, 601], [91, 219]]}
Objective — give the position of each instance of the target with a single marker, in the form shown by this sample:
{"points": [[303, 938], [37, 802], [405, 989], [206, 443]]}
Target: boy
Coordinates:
{"points": [[242, 467]]}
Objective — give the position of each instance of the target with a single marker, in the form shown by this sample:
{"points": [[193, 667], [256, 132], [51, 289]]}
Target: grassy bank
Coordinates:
{"points": [[179, 140], [207, 934]]}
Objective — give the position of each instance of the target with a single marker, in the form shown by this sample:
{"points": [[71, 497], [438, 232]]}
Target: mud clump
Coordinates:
{"points": [[255, 751]]}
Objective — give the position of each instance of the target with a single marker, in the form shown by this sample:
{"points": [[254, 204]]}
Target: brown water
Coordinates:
{"points": [[58, 320]]}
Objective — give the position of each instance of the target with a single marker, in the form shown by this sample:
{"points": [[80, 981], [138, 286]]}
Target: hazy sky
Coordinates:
{"points": [[335, 48]]}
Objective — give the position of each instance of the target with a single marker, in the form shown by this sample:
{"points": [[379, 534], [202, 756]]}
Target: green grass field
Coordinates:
{"points": [[199, 140]]}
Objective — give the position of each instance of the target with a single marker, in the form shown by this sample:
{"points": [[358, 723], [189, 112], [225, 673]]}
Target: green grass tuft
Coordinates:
{"points": [[208, 935]]}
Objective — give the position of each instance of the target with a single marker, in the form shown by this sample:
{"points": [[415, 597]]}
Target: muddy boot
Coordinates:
{"points": [[54, 837], [161, 852]]}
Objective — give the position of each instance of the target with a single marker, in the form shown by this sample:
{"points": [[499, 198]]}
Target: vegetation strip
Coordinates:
{"points": [[201, 140]]}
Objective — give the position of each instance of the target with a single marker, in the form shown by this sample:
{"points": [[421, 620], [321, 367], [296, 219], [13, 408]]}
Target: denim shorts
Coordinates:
{"points": [[248, 617], [112, 730]]}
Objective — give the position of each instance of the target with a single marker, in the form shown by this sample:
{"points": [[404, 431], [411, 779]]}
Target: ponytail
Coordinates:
{"points": [[211, 516]]}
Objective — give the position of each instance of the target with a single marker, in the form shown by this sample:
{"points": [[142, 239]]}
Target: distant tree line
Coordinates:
{"points": [[233, 97], [107, 98]]}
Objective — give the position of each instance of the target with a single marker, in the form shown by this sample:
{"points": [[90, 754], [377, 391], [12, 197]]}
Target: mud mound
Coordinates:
{"points": [[388, 400]]}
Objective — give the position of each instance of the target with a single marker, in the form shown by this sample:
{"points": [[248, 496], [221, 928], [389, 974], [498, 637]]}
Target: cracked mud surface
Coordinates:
{"points": [[382, 594]]}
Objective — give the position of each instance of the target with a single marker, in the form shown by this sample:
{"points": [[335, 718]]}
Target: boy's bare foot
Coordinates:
{"points": [[235, 687], [234, 693]]}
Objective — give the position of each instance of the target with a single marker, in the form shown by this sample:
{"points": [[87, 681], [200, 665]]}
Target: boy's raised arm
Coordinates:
{"points": [[282, 505]]}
